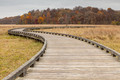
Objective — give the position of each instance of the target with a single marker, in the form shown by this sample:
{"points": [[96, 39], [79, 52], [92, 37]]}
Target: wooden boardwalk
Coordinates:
{"points": [[71, 59]]}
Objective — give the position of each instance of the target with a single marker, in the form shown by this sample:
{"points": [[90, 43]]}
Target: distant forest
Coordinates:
{"points": [[77, 15]]}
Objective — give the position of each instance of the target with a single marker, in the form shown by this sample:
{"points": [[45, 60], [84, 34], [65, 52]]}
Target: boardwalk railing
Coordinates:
{"points": [[21, 71], [27, 32], [34, 28], [98, 45]]}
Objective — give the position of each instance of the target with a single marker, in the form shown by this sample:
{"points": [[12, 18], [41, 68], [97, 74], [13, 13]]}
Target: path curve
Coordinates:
{"points": [[68, 58]]}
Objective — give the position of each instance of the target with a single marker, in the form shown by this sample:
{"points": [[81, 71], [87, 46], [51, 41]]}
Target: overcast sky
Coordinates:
{"points": [[18, 7]]}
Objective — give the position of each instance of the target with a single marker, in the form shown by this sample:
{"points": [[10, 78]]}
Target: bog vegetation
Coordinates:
{"points": [[77, 15], [14, 51]]}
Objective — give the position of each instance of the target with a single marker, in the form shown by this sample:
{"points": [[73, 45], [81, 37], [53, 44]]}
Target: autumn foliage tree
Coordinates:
{"points": [[29, 18], [22, 19], [40, 20], [77, 15]]}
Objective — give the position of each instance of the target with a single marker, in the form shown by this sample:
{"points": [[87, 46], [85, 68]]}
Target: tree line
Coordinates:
{"points": [[77, 15]]}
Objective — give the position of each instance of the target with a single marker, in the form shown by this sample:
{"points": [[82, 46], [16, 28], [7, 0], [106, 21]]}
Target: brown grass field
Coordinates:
{"points": [[14, 51]]}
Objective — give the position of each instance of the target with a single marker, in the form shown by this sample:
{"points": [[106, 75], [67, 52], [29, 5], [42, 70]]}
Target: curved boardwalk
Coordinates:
{"points": [[71, 59]]}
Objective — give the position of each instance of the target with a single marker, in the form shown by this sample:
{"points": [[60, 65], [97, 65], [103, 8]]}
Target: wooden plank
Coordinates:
{"points": [[80, 76]]}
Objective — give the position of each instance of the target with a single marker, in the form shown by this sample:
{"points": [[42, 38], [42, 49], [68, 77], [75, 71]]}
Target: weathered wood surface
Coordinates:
{"points": [[71, 59]]}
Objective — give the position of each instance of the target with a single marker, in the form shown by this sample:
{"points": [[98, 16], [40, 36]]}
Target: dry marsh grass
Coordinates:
{"points": [[14, 51], [107, 35]]}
